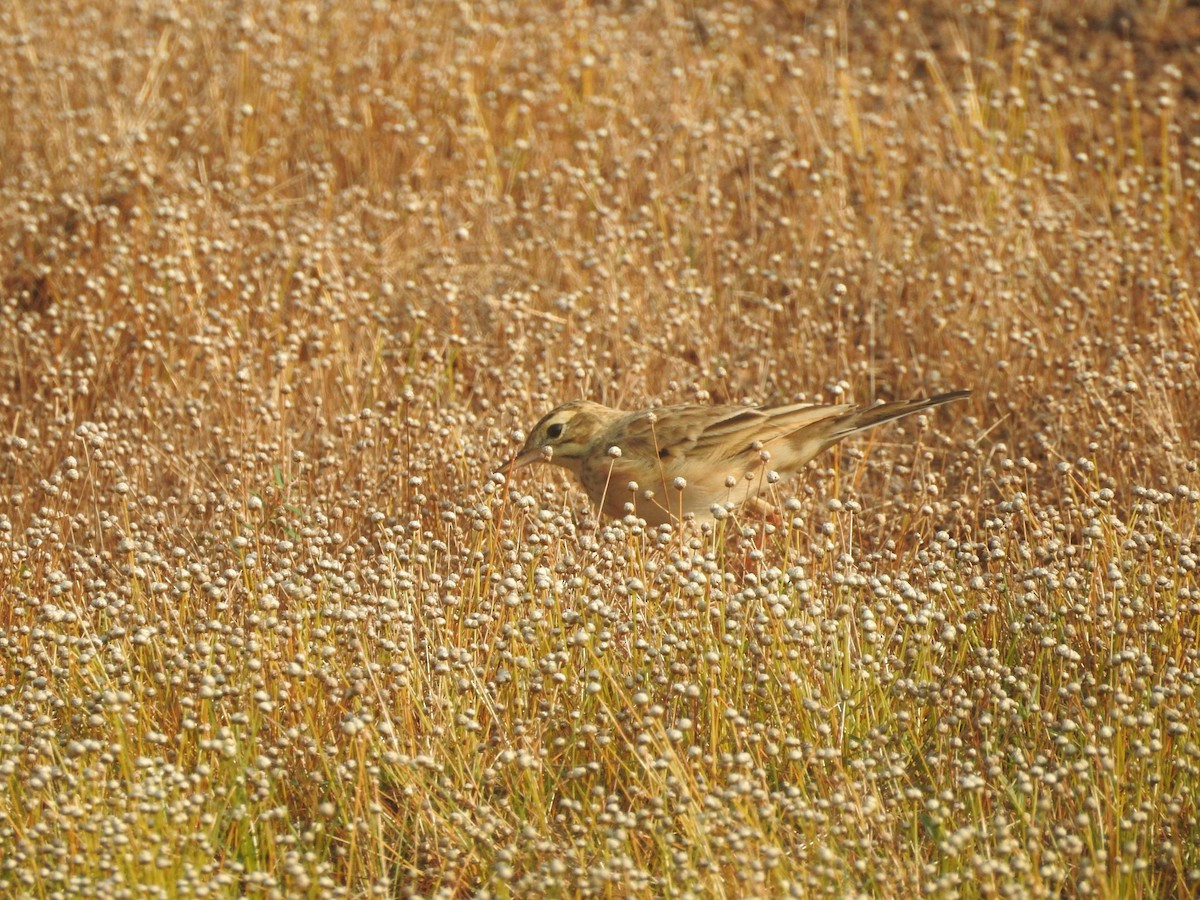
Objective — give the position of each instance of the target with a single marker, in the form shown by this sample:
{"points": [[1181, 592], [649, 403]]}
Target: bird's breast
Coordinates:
{"points": [[656, 497]]}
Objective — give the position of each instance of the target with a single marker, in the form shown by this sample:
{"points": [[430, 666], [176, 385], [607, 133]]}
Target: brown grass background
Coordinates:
{"points": [[280, 281]]}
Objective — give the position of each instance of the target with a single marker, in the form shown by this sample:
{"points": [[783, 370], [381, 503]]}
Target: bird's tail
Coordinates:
{"points": [[862, 418]]}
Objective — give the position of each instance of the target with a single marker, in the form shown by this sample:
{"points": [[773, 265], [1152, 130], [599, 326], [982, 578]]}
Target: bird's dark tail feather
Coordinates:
{"points": [[862, 419]]}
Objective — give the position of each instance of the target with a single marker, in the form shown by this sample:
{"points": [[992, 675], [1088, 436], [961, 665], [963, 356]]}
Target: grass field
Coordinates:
{"points": [[281, 282]]}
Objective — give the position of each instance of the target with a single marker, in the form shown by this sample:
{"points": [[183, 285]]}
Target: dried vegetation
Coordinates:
{"points": [[278, 283]]}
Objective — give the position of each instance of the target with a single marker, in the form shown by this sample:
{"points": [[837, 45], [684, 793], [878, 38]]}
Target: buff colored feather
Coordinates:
{"points": [[684, 459]]}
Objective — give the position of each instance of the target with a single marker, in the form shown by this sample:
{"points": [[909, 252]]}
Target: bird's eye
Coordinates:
{"points": [[554, 432]]}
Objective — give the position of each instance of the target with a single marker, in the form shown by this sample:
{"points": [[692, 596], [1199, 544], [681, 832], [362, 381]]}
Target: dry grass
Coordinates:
{"points": [[280, 281]]}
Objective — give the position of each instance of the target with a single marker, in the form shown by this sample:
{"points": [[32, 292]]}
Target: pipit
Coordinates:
{"points": [[662, 464]]}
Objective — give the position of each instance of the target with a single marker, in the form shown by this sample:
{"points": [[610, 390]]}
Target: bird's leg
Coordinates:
{"points": [[758, 508]]}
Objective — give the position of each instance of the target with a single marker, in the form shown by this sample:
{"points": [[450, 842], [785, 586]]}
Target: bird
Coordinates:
{"points": [[691, 460]]}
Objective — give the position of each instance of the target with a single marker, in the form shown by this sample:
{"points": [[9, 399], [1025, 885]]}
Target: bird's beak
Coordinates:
{"points": [[528, 457]]}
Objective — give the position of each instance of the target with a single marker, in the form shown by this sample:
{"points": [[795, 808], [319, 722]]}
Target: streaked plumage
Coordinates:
{"points": [[717, 451]]}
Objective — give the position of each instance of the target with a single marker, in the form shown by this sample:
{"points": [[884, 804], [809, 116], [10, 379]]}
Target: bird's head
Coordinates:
{"points": [[564, 436]]}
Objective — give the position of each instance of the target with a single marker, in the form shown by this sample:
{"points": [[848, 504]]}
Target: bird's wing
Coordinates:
{"points": [[715, 433]]}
